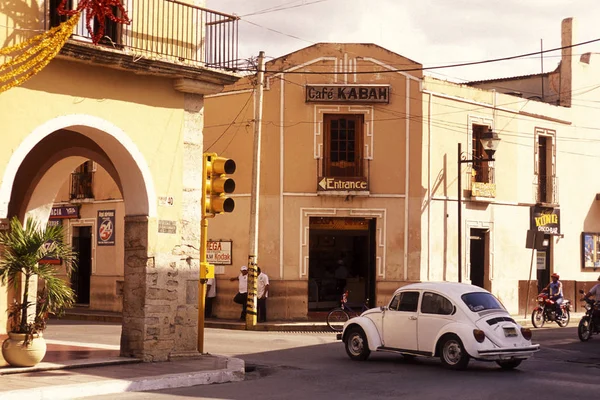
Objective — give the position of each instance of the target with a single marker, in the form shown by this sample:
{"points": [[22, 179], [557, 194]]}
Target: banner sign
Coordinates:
{"points": [[545, 220], [218, 252], [347, 94], [64, 212], [106, 227]]}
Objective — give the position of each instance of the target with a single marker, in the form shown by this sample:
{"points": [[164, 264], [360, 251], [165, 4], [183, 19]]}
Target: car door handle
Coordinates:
{"points": [[413, 318]]}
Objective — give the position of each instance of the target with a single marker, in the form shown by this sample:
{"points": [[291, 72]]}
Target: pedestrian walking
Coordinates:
{"points": [[263, 293], [242, 296], [211, 293]]}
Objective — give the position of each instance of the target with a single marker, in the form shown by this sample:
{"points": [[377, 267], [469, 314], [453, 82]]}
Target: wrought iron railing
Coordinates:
{"points": [[545, 189], [81, 185], [483, 174], [168, 30]]}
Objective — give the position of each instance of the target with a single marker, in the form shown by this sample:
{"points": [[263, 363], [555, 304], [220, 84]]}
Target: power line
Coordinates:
{"points": [[464, 64], [281, 7], [232, 122]]}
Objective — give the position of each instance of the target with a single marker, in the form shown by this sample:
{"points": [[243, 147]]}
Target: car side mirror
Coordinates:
{"points": [[383, 308]]}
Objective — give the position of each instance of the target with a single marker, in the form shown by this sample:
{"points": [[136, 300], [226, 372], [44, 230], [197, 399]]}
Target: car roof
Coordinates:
{"points": [[453, 289]]}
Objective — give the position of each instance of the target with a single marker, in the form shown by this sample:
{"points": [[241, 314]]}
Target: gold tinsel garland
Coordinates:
{"points": [[40, 50]]}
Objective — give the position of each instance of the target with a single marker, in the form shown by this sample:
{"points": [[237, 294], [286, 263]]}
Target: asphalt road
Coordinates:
{"points": [[314, 366]]}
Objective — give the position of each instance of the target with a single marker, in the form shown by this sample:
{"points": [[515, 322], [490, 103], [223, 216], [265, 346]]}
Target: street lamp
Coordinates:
{"points": [[489, 141]]}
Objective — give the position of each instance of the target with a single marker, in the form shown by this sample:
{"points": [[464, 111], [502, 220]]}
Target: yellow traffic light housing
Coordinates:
{"points": [[217, 184]]}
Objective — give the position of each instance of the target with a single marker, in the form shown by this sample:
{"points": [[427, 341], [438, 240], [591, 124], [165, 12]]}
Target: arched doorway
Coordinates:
{"points": [[37, 169]]}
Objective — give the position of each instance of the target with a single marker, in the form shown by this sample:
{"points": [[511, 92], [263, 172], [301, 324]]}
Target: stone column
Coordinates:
{"points": [[135, 290]]}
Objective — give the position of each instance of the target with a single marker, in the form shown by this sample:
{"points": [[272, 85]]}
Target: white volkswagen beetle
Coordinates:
{"points": [[454, 321]]}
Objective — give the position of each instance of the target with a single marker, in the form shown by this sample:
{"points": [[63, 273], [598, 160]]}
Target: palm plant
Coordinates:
{"points": [[23, 246]]}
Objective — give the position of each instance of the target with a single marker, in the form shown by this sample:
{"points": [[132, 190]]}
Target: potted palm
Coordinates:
{"points": [[23, 246]]}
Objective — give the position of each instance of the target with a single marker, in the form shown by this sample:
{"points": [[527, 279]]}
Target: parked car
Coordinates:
{"points": [[453, 321]]}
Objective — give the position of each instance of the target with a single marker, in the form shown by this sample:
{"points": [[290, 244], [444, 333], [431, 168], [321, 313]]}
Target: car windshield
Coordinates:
{"points": [[480, 301]]}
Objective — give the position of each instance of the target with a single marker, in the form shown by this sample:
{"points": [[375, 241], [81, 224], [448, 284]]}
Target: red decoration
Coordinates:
{"points": [[100, 10]]}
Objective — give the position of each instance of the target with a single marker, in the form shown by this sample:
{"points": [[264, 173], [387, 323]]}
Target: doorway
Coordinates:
{"points": [[477, 259], [543, 258], [80, 278], [342, 257]]}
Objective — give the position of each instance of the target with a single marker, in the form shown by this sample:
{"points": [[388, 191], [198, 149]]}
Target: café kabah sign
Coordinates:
{"points": [[343, 184], [545, 220], [347, 93]]}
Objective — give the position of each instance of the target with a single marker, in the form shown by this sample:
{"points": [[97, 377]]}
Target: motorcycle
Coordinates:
{"points": [[590, 322], [546, 311]]}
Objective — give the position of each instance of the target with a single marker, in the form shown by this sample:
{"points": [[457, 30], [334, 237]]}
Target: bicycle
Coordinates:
{"points": [[339, 315]]}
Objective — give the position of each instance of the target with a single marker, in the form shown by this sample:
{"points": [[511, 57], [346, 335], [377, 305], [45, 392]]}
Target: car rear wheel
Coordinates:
{"points": [[509, 364], [357, 346], [537, 318], [452, 353]]}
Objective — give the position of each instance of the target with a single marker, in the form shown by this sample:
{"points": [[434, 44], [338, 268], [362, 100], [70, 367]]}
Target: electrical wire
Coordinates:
{"points": [[232, 122]]}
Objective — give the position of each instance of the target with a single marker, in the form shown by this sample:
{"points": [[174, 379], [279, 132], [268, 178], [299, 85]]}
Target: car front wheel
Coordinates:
{"points": [[452, 353], [357, 346]]}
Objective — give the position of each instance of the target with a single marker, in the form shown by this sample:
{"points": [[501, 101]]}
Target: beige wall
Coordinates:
{"points": [[67, 88], [291, 137]]}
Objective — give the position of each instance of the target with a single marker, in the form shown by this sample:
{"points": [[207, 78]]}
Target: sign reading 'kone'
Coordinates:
{"points": [[351, 94]]}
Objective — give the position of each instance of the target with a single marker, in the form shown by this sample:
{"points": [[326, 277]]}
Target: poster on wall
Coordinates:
{"points": [[590, 250], [106, 227]]}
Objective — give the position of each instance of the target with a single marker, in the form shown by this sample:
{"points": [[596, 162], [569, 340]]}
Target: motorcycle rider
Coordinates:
{"points": [[594, 291], [555, 293]]}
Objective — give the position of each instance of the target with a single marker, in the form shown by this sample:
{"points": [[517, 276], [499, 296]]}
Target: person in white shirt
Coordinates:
{"points": [[242, 296], [211, 293], [595, 291], [262, 294]]}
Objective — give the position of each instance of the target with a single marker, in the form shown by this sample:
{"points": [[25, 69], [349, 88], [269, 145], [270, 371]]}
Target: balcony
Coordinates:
{"points": [[481, 182], [81, 186], [343, 177], [545, 190], [165, 36]]}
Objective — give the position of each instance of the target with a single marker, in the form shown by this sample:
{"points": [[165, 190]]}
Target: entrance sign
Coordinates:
{"points": [[345, 184], [218, 252], [106, 227], [347, 94]]}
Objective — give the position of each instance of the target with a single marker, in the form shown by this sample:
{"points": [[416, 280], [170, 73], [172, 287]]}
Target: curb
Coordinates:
{"points": [[234, 372]]}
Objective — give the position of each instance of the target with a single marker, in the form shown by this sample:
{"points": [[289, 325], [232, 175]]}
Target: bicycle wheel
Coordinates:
{"points": [[336, 319]]}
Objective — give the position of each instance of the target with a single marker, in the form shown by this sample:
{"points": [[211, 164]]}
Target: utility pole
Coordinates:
{"points": [[254, 198]]}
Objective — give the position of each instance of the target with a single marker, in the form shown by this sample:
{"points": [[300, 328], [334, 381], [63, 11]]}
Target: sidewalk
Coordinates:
{"points": [[73, 379]]}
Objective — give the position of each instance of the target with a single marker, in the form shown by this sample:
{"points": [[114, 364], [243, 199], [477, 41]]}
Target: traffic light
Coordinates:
{"points": [[217, 184]]}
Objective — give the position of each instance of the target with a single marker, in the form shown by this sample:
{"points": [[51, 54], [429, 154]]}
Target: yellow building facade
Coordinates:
{"points": [[134, 106]]}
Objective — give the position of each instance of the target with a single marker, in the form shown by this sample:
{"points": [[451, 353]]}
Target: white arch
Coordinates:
{"points": [[90, 126]]}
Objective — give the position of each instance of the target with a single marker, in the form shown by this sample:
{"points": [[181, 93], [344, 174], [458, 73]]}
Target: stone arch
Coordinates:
{"points": [[134, 178], [34, 174]]}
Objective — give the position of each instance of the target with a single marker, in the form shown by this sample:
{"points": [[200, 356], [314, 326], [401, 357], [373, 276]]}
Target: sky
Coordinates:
{"points": [[431, 32]]}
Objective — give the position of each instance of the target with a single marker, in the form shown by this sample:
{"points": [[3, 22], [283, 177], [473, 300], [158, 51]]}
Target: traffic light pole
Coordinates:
{"points": [[202, 282], [203, 240], [254, 199]]}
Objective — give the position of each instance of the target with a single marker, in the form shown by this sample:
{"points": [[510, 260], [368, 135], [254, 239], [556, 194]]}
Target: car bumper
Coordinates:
{"points": [[507, 353]]}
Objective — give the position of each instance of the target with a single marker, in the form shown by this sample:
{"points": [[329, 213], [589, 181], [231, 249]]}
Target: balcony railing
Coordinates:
{"points": [[545, 189], [167, 30], [81, 186]]}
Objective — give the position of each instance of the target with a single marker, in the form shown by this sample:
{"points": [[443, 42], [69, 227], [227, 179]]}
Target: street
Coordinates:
{"points": [[315, 366]]}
